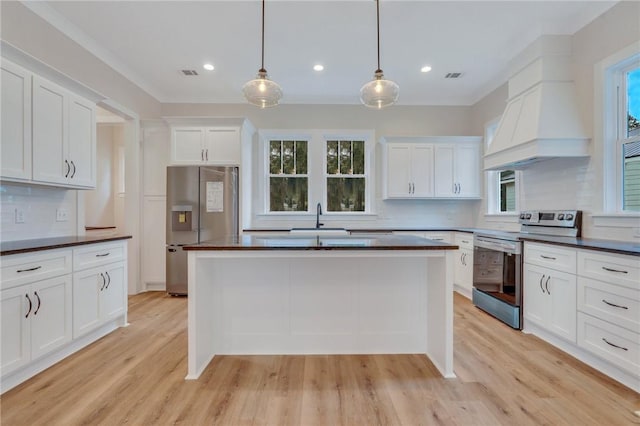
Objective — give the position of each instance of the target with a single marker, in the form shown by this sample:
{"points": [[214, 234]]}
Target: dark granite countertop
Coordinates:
{"points": [[611, 246], [39, 244], [371, 241]]}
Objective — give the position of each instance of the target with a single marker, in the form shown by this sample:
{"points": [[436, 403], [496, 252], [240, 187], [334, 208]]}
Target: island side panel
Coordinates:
{"points": [[440, 313]]}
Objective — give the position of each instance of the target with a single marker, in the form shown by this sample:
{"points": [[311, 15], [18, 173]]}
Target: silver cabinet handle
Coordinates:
{"points": [[546, 285], [615, 346], [409, 190], [206, 154], [614, 305], [108, 279], [68, 168], [74, 170], [103, 254], [202, 154], [542, 278], [35, 268], [104, 281], [615, 270], [547, 257]]}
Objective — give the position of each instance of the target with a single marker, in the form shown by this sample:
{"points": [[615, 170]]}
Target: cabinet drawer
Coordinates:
{"points": [[97, 254], [618, 305], [18, 269], [558, 258], [610, 342], [616, 269], [464, 241]]}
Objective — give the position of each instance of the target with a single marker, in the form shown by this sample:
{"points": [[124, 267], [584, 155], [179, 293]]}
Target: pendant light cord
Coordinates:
{"points": [[378, 21], [262, 68]]}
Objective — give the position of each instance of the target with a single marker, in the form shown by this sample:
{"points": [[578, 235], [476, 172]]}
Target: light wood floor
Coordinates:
{"points": [[136, 375]]}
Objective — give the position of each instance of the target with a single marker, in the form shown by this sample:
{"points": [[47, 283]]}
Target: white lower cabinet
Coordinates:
{"points": [[550, 300], [463, 272], [98, 296], [36, 319], [54, 302]]}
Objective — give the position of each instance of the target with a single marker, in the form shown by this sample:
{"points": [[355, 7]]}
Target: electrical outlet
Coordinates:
{"points": [[62, 215], [19, 216]]}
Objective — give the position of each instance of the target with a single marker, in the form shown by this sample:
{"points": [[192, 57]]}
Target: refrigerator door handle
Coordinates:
{"points": [[172, 250]]}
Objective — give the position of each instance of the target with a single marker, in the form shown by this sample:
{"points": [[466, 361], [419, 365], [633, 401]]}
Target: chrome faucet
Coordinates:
{"points": [[318, 213]]}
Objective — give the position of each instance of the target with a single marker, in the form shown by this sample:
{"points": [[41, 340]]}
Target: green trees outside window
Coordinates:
{"points": [[288, 179], [345, 175]]}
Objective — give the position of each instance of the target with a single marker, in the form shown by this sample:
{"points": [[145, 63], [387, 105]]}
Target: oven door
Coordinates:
{"points": [[497, 278]]}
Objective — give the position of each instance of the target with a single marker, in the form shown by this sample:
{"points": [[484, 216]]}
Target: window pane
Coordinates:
{"points": [[633, 103], [288, 158], [288, 194], [507, 191], [332, 157], [345, 194], [275, 157], [358, 157], [301, 157], [345, 157], [631, 184]]}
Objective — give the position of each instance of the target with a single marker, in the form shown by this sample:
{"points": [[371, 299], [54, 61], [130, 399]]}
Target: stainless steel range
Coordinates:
{"points": [[497, 261]]}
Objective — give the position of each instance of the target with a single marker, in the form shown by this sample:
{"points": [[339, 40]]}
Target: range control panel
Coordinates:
{"points": [[551, 218]]}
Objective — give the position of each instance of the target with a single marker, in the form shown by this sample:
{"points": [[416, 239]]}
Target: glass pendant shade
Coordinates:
{"points": [[379, 93], [261, 91]]}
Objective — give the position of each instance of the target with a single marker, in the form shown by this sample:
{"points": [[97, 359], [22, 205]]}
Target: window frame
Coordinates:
{"points": [[316, 169], [492, 180]]}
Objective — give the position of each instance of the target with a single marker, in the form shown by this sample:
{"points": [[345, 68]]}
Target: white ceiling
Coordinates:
{"points": [[151, 41]]}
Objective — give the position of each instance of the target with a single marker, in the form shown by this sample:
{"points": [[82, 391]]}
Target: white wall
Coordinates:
{"points": [[39, 204], [574, 183], [99, 203]]}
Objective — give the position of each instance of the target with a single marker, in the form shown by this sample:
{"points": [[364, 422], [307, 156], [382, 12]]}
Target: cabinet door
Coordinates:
{"points": [[16, 122], [444, 171], [467, 170], [187, 145], [112, 299], [16, 344], [50, 163], [82, 142], [222, 146], [422, 170], [87, 287], [535, 297], [51, 318], [467, 276], [561, 318], [398, 170], [459, 270]]}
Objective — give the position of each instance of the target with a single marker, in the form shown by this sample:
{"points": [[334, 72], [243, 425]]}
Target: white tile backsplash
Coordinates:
{"points": [[39, 204]]}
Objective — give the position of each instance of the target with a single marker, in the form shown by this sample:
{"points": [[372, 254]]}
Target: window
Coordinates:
{"points": [[628, 143], [300, 168], [288, 176], [345, 176], [502, 186]]}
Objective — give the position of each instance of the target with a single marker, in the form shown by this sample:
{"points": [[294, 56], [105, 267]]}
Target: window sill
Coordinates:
{"points": [[306, 216], [616, 220]]}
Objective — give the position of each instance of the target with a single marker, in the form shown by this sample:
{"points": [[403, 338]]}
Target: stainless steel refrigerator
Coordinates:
{"points": [[202, 204]]}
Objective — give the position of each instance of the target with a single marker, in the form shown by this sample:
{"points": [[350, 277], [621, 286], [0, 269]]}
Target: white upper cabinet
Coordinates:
{"points": [[64, 137], [205, 145], [457, 170], [409, 171], [431, 167], [16, 122]]}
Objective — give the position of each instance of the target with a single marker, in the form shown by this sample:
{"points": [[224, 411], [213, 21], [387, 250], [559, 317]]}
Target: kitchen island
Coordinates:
{"points": [[285, 294]]}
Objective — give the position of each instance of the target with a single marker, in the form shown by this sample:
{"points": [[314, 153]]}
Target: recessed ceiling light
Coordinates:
{"points": [[208, 67], [318, 67], [426, 68]]}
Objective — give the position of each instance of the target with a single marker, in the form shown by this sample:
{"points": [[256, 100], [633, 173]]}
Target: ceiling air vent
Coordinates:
{"points": [[189, 72], [453, 75]]}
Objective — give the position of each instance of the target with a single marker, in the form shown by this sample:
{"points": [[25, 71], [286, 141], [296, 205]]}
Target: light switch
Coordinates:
{"points": [[62, 215], [19, 216], [182, 217]]}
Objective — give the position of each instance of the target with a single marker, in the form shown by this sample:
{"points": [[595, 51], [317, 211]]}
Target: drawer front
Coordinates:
{"points": [[18, 269], [464, 241], [615, 344], [97, 254], [558, 258], [616, 269], [618, 305]]}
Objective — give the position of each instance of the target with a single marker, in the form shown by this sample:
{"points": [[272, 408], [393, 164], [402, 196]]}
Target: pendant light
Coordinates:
{"points": [[379, 93], [261, 91]]}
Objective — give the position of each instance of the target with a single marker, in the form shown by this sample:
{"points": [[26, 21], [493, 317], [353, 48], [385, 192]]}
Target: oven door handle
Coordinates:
{"points": [[492, 245]]}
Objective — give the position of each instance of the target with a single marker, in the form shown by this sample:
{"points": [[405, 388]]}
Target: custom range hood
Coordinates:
{"points": [[541, 120]]}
